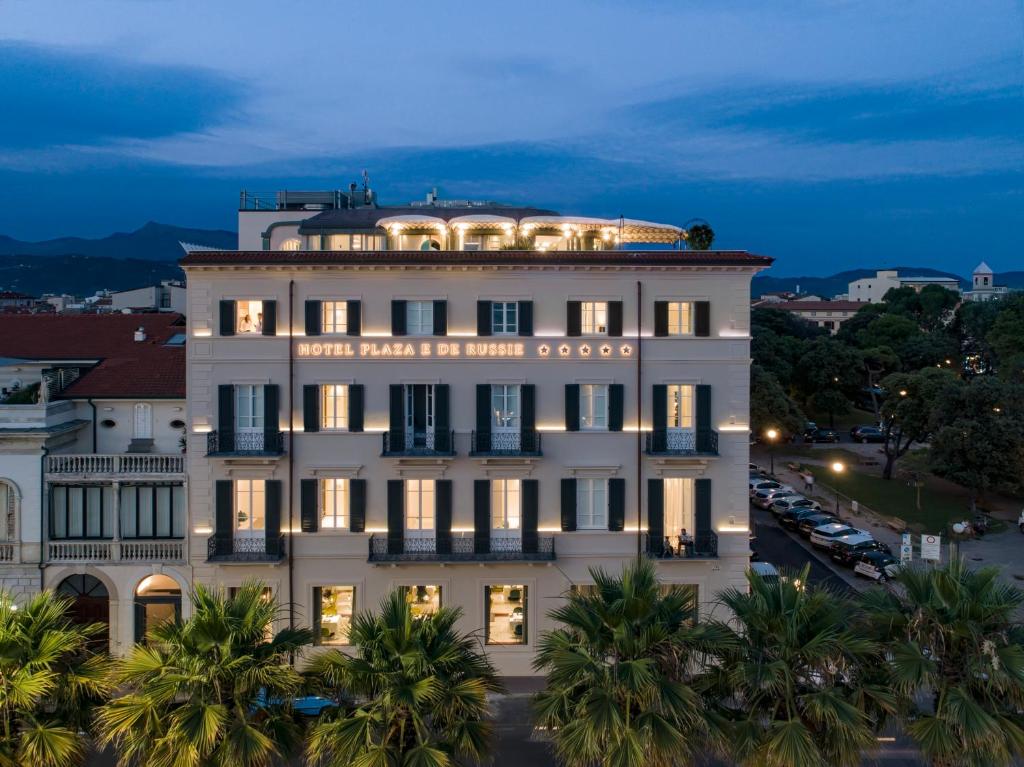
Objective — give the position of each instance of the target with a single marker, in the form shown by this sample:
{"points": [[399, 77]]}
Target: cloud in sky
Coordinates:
{"points": [[689, 109]]}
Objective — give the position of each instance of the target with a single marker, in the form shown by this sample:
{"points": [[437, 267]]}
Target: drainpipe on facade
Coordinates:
{"points": [[290, 553], [93, 406], [42, 517], [639, 436]]}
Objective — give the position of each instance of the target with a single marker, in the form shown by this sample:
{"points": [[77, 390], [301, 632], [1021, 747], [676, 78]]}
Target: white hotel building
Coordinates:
{"points": [[388, 397]]}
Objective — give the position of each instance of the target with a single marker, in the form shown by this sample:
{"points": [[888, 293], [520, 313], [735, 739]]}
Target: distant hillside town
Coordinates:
{"points": [[167, 296]]}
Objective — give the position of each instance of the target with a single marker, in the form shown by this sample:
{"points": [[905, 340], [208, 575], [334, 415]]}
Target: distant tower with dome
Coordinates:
{"points": [[983, 287]]}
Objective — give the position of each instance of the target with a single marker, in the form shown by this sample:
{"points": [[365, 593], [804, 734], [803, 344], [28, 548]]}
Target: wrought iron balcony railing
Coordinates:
{"points": [[499, 443], [255, 549], [680, 442], [408, 443], [702, 546], [528, 548], [245, 443]]}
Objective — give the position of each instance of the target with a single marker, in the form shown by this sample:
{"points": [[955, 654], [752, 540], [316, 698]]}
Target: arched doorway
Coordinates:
{"points": [[157, 600], [91, 602]]}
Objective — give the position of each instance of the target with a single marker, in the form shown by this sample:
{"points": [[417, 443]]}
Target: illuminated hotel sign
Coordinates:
{"points": [[461, 350]]}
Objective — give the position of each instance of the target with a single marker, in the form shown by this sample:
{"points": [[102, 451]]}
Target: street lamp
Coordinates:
{"points": [[838, 467], [772, 435]]}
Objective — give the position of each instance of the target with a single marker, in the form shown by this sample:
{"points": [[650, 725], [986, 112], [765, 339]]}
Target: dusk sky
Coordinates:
{"points": [[831, 134]]}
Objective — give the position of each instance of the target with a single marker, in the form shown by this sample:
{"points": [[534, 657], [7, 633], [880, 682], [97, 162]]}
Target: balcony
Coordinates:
{"points": [[463, 548], [494, 444], [126, 551], [94, 465], [672, 442], [430, 443], [245, 550], [255, 443], [704, 546]]}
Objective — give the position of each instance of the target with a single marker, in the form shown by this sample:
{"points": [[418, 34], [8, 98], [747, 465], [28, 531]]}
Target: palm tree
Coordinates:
{"points": [[414, 692], [213, 691], [956, 659], [618, 667], [50, 679], [797, 681]]}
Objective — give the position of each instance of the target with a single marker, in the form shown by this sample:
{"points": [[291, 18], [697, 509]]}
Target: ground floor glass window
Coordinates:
{"points": [[423, 600], [506, 614], [333, 607]]}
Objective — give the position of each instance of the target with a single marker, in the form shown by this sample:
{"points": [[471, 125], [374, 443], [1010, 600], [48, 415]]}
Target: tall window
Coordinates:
{"points": [[594, 406], [152, 511], [506, 614], [335, 317], [333, 607], [248, 407], [594, 318], [8, 499], [505, 318], [81, 511], [419, 505], [334, 503], [506, 504], [505, 406], [592, 504], [680, 318], [423, 600], [334, 406], [419, 318], [678, 507], [248, 317], [680, 406], [250, 505]]}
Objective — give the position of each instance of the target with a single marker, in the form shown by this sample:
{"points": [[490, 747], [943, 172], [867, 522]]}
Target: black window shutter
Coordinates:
{"points": [[226, 417], [574, 318], [661, 318], [481, 516], [483, 418], [354, 318], [483, 318], [313, 318], [309, 500], [224, 527], [398, 318], [317, 614], [702, 318], [273, 517], [703, 408], [655, 515], [270, 318], [440, 318], [568, 505], [528, 417], [702, 506], [615, 318], [271, 427], [616, 504], [396, 516], [227, 318], [531, 512], [443, 515], [356, 406], [311, 407], [659, 418], [357, 505], [396, 411], [616, 395], [442, 418], [572, 407], [526, 318]]}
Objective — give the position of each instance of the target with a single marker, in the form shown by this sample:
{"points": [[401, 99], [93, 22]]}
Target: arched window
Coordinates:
{"points": [[91, 602], [157, 600]]}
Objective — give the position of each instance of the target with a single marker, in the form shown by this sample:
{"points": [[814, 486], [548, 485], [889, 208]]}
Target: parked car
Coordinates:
{"points": [[781, 505], [765, 570], [808, 523], [846, 551], [877, 565], [756, 484], [763, 498], [867, 434], [822, 435], [823, 536], [791, 519]]}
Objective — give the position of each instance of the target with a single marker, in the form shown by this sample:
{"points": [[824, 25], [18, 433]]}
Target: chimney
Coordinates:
{"points": [[140, 334]]}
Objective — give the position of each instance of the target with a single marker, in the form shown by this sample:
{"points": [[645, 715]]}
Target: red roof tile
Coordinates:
{"points": [[477, 257], [126, 368]]}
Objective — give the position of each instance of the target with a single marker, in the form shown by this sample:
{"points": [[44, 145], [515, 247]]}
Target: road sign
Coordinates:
{"points": [[931, 547], [906, 549]]}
